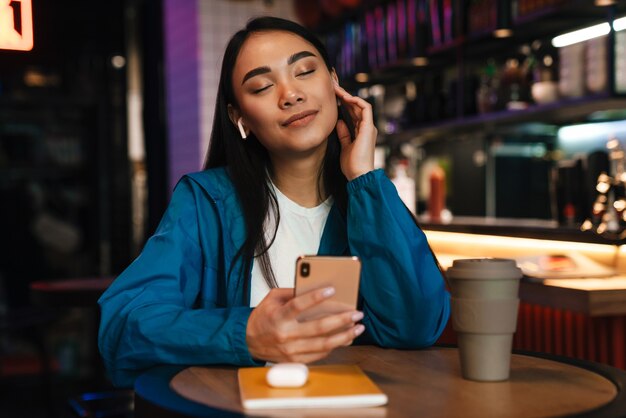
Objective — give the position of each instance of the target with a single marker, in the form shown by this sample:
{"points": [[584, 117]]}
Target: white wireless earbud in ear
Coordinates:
{"points": [[242, 131]]}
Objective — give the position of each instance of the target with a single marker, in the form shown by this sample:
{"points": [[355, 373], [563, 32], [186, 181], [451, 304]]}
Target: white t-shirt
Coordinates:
{"points": [[299, 232]]}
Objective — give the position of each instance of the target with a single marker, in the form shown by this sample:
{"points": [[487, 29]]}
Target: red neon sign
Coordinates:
{"points": [[16, 25]]}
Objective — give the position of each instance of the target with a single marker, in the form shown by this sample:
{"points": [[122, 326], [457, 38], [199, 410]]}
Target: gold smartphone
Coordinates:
{"points": [[342, 273]]}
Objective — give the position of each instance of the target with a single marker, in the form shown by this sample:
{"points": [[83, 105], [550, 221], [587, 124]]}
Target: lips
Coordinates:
{"points": [[301, 118]]}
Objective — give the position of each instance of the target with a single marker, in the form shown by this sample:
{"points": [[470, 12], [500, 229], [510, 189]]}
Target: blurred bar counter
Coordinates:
{"points": [[582, 318]]}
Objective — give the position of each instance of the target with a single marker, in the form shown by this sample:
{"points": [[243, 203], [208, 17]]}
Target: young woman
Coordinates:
{"points": [[283, 177]]}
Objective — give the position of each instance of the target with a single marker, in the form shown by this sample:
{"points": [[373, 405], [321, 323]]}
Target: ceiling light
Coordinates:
{"points": [[361, 77], [502, 33], [503, 19], [118, 62], [419, 61]]}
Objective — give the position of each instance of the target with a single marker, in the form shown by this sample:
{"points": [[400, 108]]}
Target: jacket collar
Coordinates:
{"points": [[219, 187], [215, 181]]}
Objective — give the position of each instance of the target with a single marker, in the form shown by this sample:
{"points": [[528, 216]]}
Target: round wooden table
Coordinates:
{"points": [[418, 383]]}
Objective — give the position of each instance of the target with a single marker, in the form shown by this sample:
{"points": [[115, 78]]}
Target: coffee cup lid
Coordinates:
{"points": [[484, 269]]}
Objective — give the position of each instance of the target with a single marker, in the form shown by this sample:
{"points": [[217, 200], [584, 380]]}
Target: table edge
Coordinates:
{"points": [[616, 407], [162, 392]]}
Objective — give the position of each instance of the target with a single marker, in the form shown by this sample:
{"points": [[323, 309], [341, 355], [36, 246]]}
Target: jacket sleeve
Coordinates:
{"points": [[148, 316], [402, 291]]}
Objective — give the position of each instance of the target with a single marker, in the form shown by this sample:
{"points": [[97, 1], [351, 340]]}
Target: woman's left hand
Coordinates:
{"points": [[357, 157]]}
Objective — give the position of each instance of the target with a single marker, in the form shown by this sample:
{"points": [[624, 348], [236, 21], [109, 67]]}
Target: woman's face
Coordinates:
{"points": [[285, 93]]}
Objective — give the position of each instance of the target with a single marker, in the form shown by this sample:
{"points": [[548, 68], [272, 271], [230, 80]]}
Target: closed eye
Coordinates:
{"points": [[261, 89], [305, 73]]}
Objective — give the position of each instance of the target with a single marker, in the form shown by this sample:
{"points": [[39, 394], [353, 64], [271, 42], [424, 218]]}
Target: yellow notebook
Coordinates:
{"points": [[329, 386]]}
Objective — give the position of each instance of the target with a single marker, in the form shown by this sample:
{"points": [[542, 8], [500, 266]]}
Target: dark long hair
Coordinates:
{"points": [[248, 162]]}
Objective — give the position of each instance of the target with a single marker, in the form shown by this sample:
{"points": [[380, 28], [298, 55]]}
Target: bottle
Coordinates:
{"points": [[620, 62], [381, 49], [391, 26], [405, 185], [487, 95], [437, 197], [514, 86]]}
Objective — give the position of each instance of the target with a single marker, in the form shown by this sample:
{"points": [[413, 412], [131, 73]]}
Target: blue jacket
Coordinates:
{"points": [[178, 303]]}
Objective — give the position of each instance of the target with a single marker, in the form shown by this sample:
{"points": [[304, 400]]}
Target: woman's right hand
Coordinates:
{"points": [[274, 333]]}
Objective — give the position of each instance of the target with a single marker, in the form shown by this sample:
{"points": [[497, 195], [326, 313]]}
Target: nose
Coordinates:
{"points": [[291, 96]]}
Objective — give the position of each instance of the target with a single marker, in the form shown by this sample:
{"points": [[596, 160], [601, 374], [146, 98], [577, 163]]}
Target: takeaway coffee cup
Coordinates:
{"points": [[484, 315]]}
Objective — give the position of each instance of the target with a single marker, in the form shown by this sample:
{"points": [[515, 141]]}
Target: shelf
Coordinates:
{"points": [[45, 101], [446, 46], [521, 228], [560, 112], [452, 72], [541, 24], [571, 10]]}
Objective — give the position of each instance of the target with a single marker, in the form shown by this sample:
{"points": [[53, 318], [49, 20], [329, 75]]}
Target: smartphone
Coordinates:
{"points": [[342, 273]]}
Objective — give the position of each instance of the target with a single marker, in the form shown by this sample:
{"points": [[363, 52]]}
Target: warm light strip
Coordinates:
{"points": [[514, 243], [591, 32], [581, 35], [612, 283], [619, 24]]}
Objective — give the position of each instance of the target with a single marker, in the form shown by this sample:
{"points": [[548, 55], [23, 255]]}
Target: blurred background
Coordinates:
{"points": [[98, 121], [488, 121]]}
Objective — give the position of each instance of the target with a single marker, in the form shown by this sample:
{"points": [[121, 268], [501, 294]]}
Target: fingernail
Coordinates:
{"points": [[357, 316], [328, 292], [359, 329]]}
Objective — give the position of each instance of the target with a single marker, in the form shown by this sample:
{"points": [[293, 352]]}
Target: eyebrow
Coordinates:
{"points": [[299, 55], [265, 69]]}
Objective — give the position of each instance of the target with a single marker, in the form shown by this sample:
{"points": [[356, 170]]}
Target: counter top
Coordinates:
{"points": [[589, 296], [592, 297]]}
